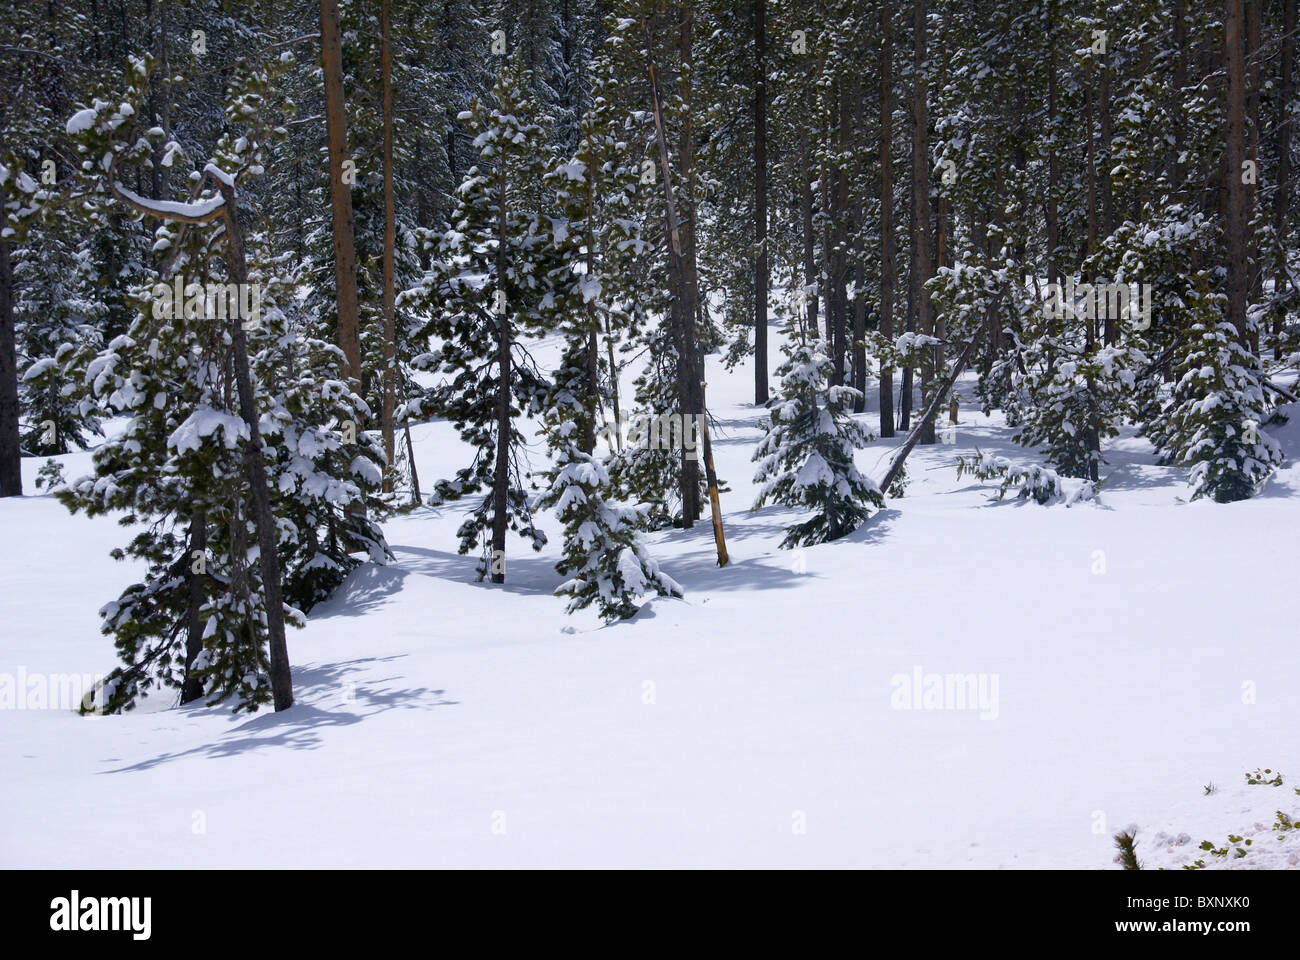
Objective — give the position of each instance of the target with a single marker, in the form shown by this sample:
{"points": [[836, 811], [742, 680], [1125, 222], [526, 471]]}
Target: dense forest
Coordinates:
{"points": [[264, 240]]}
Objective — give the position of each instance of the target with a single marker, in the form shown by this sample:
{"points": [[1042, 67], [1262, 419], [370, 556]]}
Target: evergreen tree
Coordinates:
{"points": [[806, 459], [499, 275]]}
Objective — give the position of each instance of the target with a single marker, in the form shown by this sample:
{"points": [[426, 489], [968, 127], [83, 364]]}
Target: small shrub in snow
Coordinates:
{"points": [[1262, 779], [1041, 483]]}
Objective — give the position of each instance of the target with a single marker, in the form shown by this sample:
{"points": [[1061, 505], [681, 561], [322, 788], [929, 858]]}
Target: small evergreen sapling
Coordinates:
{"points": [[806, 459]]}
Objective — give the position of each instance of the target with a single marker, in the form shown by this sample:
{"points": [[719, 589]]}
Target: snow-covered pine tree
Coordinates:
{"points": [[499, 273], [604, 557], [1212, 424], [57, 305], [198, 618], [806, 459]]}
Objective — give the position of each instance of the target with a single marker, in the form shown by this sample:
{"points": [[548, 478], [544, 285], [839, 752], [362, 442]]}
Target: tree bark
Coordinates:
{"points": [[809, 239], [1237, 215], [1282, 198], [886, 220], [336, 130], [693, 362], [390, 243], [268, 559], [936, 401], [839, 235], [501, 476], [192, 688], [760, 202], [922, 267], [11, 458]]}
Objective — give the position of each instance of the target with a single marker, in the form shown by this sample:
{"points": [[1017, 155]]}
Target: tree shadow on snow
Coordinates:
{"points": [[325, 697]]}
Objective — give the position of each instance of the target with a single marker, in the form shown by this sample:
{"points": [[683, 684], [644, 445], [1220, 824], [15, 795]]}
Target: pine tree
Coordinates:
{"points": [[201, 618], [499, 275], [604, 556], [806, 458]]}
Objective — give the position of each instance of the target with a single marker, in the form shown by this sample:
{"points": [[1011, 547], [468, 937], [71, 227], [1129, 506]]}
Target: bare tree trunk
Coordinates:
{"points": [[922, 268], [936, 401], [192, 688], [501, 476], [592, 387], [1237, 213], [268, 559], [692, 361], [410, 456], [1092, 203], [11, 458], [336, 129], [839, 235], [1175, 165], [1053, 162], [760, 202], [886, 220], [809, 240], [1110, 329], [390, 242], [1282, 198]]}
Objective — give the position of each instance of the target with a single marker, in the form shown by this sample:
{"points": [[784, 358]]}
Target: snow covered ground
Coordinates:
{"points": [[1129, 653]]}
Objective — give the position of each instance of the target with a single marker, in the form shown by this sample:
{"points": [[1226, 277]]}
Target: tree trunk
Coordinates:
{"points": [[1282, 198], [192, 688], [809, 241], [1237, 214], [336, 130], [501, 477], [268, 559], [922, 268], [410, 456], [936, 401], [692, 361], [839, 235], [1111, 328], [592, 386], [760, 202], [886, 220], [390, 242], [11, 458], [1053, 162]]}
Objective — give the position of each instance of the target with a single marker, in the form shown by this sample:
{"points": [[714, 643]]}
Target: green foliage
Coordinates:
{"points": [[1126, 843], [1262, 778], [1041, 483], [806, 458]]}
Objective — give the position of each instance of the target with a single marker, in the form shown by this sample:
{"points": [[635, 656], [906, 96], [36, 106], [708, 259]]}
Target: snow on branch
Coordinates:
{"points": [[199, 211]]}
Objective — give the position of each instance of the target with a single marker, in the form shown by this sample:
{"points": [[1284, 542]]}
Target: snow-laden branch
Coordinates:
{"points": [[196, 212]]}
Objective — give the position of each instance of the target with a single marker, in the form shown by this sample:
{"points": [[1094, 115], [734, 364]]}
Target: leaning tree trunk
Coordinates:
{"points": [[255, 464], [928, 417]]}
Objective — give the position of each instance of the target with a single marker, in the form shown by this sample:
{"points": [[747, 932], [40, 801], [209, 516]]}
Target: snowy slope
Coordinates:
{"points": [[445, 722]]}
